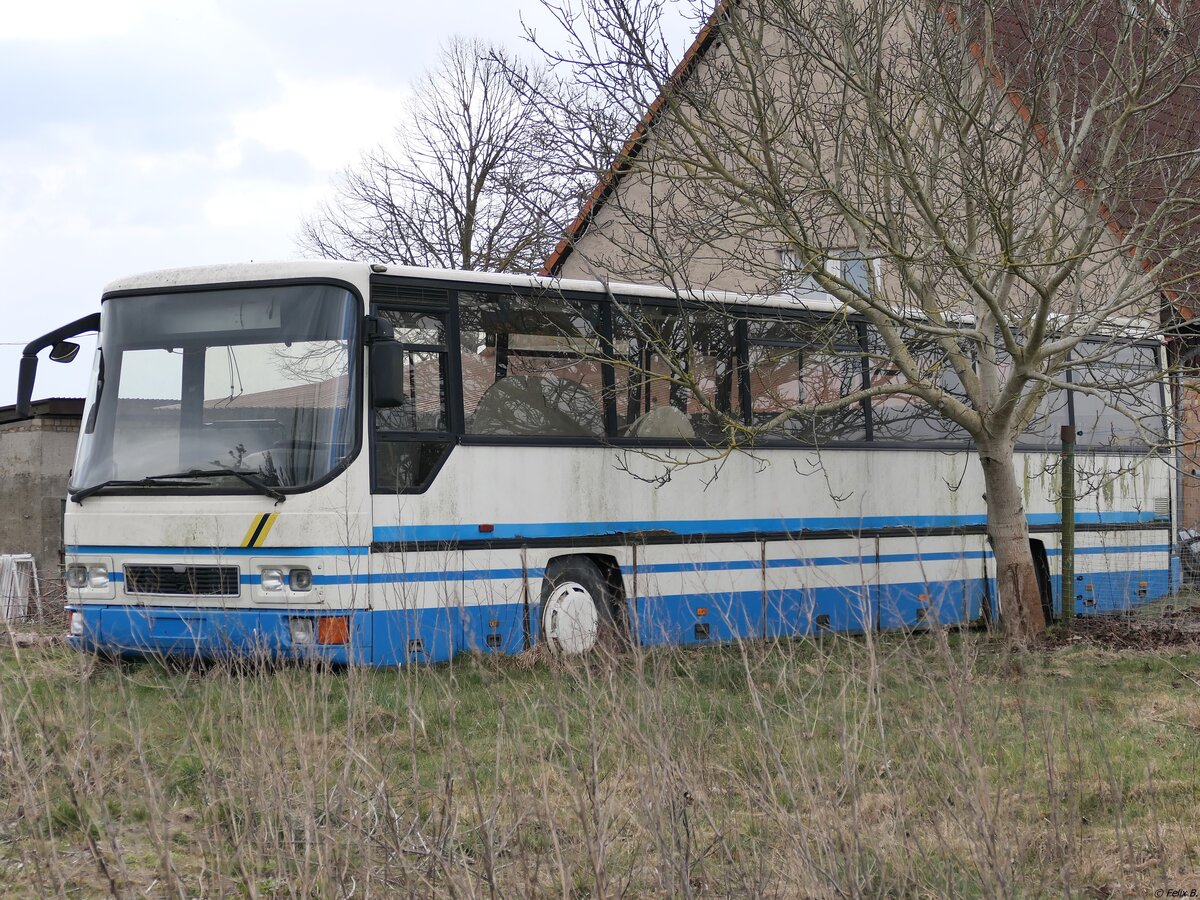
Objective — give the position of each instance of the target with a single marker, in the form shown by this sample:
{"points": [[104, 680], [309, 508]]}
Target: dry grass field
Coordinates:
{"points": [[923, 765]]}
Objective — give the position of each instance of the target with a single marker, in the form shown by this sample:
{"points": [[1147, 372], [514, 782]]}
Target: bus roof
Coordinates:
{"points": [[360, 272]]}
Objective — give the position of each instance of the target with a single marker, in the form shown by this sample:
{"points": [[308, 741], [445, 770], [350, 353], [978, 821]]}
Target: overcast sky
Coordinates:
{"points": [[138, 135]]}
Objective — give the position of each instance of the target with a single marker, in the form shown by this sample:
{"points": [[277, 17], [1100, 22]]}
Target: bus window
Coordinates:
{"points": [[423, 337], [531, 366], [148, 412], [1044, 430], [805, 363], [411, 439], [675, 373], [904, 418], [1045, 427], [1127, 409], [712, 362]]}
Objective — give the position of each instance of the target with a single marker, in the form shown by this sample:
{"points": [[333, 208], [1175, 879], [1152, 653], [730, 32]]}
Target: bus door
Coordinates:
{"points": [[416, 566]]}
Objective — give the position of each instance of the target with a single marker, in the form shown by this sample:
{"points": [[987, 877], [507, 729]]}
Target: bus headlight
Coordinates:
{"points": [[272, 579], [94, 576], [302, 631], [300, 579]]}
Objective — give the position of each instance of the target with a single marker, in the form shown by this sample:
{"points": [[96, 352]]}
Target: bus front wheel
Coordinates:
{"points": [[576, 606]]}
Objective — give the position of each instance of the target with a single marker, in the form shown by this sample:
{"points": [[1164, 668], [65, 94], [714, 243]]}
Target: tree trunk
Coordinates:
{"points": [[1016, 578]]}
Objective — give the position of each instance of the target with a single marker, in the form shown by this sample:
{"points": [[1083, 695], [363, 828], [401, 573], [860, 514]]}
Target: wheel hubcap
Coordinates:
{"points": [[571, 622]]}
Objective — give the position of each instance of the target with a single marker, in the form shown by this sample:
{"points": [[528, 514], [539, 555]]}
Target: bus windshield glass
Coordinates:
{"points": [[257, 381]]}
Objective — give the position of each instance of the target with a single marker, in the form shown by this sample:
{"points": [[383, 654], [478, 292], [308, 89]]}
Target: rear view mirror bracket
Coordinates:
{"points": [[63, 351]]}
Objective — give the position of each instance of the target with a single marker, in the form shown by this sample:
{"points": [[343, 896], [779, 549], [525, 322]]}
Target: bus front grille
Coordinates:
{"points": [[205, 581]]}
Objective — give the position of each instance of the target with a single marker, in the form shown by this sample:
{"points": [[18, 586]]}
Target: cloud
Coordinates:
{"points": [[72, 21], [328, 122], [260, 204]]}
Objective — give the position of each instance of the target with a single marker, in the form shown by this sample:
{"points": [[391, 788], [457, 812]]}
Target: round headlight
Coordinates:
{"points": [[300, 579], [76, 576]]}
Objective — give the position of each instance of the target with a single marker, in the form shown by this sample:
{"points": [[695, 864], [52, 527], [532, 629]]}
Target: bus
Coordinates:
{"points": [[381, 465]]}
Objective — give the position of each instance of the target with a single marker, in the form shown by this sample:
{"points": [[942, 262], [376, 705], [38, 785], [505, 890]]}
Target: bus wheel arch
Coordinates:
{"points": [[580, 599]]}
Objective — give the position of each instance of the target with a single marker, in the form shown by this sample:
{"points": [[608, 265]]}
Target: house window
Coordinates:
{"points": [[861, 271]]}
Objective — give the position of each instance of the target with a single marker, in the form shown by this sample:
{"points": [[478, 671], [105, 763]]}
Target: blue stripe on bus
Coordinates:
{"points": [[792, 563], [685, 567], [1100, 551], [645, 569], [698, 527], [452, 533]]}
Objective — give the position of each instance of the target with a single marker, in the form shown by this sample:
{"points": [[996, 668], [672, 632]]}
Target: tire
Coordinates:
{"points": [[577, 608]]}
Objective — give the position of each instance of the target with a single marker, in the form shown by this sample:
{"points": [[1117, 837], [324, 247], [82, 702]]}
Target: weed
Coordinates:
{"points": [[917, 765]]}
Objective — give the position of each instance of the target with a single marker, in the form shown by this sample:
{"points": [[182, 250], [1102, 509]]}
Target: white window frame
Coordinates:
{"points": [[833, 263]]}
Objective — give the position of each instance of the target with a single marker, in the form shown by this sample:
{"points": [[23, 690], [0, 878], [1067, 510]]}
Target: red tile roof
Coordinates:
{"points": [[634, 145]]}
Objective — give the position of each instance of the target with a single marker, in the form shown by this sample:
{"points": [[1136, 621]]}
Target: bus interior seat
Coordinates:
{"points": [[537, 405], [663, 422]]}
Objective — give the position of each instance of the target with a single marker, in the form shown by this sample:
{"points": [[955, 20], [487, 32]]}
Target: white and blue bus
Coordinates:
{"points": [[384, 465]]}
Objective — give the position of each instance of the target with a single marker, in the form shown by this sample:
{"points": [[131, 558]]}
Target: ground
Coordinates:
{"points": [[925, 765]]}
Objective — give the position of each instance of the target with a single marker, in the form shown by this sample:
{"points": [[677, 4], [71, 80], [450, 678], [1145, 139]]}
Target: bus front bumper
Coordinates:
{"points": [[213, 633]]}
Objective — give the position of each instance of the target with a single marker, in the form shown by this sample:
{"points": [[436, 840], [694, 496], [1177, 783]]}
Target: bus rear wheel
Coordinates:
{"points": [[577, 609]]}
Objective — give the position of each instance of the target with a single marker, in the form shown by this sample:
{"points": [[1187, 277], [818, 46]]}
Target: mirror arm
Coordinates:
{"points": [[28, 370], [377, 328]]}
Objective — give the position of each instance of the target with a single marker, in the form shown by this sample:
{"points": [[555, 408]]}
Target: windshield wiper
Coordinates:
{"points": [[261, 486], [181, 479], [148, 481]]}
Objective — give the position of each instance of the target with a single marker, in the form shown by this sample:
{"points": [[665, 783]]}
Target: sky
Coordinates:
{"points": [[139, 135]]}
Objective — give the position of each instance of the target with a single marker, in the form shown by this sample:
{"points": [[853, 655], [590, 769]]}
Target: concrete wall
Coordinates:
{"points": [[35, 460]]}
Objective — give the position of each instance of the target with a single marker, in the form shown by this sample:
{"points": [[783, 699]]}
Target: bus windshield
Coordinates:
{"points": [[258, 382]]}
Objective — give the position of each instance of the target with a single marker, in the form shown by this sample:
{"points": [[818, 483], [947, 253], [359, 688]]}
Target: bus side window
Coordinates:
{"points": [[531, 366], [1044, 429], [904, 418], [411, 439], [805, 362], [1121, 404], [674, 372]]}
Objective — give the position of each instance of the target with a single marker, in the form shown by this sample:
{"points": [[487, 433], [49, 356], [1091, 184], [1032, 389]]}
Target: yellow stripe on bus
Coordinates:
{"points": [[266, 529], [255, 524], [260, 527]]}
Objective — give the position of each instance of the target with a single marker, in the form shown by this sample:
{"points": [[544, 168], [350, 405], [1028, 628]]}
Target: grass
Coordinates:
{"points": [[925, 765]]}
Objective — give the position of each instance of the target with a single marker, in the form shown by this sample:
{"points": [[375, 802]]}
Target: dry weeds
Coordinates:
{"points": [[919, 765]]}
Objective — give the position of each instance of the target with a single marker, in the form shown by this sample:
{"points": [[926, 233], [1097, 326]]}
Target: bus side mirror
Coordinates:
{"points": [[387, 374], [64, 352]]}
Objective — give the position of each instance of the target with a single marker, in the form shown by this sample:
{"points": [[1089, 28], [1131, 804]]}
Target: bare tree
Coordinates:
{"points": [[986, 184], [474, 180]]}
